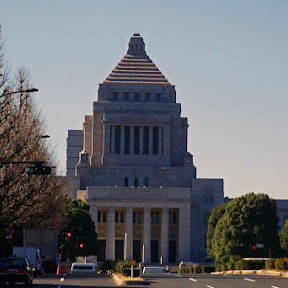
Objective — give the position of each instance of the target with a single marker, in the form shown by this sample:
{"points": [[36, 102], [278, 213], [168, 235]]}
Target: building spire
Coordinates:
{"points": [[136, 45]]}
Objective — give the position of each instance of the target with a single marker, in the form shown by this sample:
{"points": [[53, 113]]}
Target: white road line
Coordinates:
{"points": [[192, 279], [248, 279], [274, 287], [208, 286], [62, 279]]}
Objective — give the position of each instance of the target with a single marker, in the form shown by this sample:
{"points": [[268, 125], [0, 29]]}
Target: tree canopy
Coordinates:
{"points": [[283, 235], [25, 201], [77, 221], [235, 227]]}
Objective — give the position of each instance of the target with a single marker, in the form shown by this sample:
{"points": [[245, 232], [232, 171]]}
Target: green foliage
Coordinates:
{"points": [[207, 268], [270, 264], [108, 265], [283, 235], [281, 264], [237, 225], [77, 220]]}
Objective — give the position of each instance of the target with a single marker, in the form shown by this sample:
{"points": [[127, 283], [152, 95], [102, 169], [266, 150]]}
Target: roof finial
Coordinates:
{"points": [[136, 45]]}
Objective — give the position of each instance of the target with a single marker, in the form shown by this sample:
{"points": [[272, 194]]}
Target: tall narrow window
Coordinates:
{"points": [[139, 217], [116, 216], [117, 139], [136, 139], [146, 140], [115, 96], [147, 97], [126, 181], [155, 140], [158, 97], [134, 217], [127, 140], [136, 182], [99, 216], [126, 96], [146, 183], [136, 97], [104, 216]]}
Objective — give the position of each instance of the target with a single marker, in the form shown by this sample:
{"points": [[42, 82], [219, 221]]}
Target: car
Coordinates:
{"points": [[16, 269], [154, 270], [83, 268]]}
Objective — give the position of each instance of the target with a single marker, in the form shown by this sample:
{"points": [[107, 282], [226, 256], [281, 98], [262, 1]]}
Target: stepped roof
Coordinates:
{"points": [[136, 67]]}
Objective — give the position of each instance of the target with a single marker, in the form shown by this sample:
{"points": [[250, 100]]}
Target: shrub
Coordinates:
{"points": [[127, 272], [197, 269], [254, 264], [281, 264], [108, 265], [270, 264]]}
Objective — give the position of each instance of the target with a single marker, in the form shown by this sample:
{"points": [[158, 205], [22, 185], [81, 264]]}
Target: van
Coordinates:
{"points": [[83, 268], [154, 270]]}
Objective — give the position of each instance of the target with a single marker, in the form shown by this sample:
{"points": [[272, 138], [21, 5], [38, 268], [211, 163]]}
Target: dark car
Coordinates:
{"points": [[14, 270]]}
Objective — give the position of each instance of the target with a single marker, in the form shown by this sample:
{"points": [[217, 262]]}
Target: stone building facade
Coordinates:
{"points": [[130, 163]]}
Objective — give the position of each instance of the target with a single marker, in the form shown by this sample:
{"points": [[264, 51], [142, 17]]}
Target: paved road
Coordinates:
{"points": [[166, 281], [217, 281]]}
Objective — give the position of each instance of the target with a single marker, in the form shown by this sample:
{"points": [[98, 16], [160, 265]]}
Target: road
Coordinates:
{"points": [[166, 281]]}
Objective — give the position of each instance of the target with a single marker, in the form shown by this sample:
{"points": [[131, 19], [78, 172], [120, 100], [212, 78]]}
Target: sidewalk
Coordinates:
{"points": [[121, 280]]}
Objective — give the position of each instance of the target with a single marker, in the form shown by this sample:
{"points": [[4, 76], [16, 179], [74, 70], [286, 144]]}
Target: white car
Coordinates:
{"points": [[83, 268]]}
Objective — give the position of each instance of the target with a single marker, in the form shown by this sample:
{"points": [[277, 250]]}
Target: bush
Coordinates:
{"points": [[127, 272], [281, 264], [108, 265], [196, 269], [270, 264], [186, 270], [253, 264]]}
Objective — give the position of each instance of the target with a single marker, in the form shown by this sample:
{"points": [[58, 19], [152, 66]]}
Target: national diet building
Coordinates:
{"points": [[131, 165]]}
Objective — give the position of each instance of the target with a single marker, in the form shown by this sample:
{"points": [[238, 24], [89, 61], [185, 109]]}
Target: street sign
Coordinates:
{"points": [[9, 232], [133, 263]]}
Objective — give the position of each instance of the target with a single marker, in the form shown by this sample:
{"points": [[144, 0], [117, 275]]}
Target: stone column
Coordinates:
{"points": [[129, 232], [147, 235], [165, 235], [184, 233], [111, 234], [150, 140], [131, 140]]}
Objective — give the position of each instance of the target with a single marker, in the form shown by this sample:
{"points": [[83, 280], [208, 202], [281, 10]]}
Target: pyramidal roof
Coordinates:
{"points": [[136, 67]]}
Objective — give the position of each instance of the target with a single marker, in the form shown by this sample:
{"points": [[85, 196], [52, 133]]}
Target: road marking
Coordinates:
{"points": [[248, 279], [62, 279], [274, 286], [192, 279], [208, 286]]}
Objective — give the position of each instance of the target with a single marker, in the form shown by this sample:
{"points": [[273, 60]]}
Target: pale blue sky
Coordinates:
{"points": [[228, 60]]}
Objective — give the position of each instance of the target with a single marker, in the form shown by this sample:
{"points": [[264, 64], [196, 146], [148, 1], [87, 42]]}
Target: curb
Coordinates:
{"points": [[120, 281], [257, 272]]}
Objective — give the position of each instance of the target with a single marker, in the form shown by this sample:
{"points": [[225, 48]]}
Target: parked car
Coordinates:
{"points": [[14, 270], [83, 268]]}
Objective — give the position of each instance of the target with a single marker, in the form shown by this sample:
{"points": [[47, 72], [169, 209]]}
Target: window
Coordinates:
{"points": [[126, 182], [127, 140], [158, 97], [146, 140], [136, 97], [155, 140], [208, 200], [115, 96], [136, 182], [101, 216], [134, 217], [139, 217], [136, 139], [126, 96], [147, 97], [117, 139], [119, 216], [146, 183], [172, 218], [155, 217]]}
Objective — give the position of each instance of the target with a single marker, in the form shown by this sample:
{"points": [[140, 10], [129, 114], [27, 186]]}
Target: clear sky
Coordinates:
{"points": [[228, 60]]}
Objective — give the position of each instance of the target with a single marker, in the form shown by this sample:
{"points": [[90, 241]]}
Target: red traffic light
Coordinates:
{"points": [[69, 234], [81, 245], [254, 247]]}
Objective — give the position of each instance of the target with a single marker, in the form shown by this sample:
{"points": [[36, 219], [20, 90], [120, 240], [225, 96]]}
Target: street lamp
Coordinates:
{"points": [[29, 90]]}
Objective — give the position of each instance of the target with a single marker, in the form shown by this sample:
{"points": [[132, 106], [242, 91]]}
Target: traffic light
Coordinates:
{"points": [[81, 245], [38, 170], [254, 247], [69, 234]]}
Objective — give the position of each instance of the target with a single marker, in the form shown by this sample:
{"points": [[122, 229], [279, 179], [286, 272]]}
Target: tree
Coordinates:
{"points": [[25, 201], [283, 235], [248, 220], [77, 221]]}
